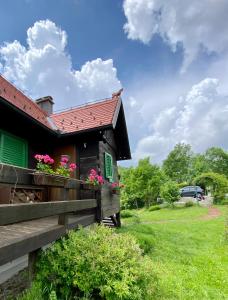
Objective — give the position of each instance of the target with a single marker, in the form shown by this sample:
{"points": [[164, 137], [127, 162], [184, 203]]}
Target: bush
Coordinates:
{"points": [[35, 293], [154, 207], [224, 202], [189, 204], [126, 214], [170, 192], [95, 264]]}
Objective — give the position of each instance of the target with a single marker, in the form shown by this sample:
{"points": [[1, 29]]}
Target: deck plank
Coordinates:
{"points": [[21, 238]]}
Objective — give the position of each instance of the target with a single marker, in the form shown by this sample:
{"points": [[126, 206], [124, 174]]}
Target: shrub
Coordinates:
{"points": [[126, 214], [224, 202], [170, 192], [154, 207], [189, 204], [95, 264], [34, 293]]}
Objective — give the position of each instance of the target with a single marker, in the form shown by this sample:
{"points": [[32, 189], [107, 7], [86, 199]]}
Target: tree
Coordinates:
{"points": [[178, 163], [142, 184], [170, 192], [199, 165], [217, 160]]}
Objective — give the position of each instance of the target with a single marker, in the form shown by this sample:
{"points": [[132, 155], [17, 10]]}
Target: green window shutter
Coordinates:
{"points": [[108, 167], [13, 150]]}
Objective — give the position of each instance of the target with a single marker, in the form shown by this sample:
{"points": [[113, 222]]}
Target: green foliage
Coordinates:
{"points": [[182, 184], [189, 204], [53, 296], [199, 165], [126, 214], [154, 207], [170, 192], [34, 293], [95, 264], [178, 163], [217, 160], [224, 202], [142, 184]]}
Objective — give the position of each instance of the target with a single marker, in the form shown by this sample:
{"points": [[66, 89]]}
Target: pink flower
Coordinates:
{"points": [[73, 166], [93, 172], [92, 178], [100, 179], [62, 164], [38, 157], [64, 159]]}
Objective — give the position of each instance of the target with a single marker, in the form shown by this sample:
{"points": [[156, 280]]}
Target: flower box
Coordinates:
{"points": [[87, 186], [115, 191], [40, 178]]}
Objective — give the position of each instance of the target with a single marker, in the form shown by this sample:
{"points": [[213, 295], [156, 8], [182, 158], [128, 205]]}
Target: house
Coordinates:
{"points": [[94, 135]]}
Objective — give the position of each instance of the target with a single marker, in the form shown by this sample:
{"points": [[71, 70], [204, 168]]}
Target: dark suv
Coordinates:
{"points": [[191, 191]]}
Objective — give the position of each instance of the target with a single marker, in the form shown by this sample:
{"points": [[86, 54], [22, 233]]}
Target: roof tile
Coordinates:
{"points": [[86, 117], [77, 119], [14, 96]]}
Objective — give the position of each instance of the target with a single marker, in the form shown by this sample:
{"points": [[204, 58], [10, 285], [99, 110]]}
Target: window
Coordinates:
{"points": [[108, 167], [13, 150]]}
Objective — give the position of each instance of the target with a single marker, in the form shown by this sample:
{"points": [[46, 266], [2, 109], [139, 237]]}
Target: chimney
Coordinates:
{"points": [[46, 103]]}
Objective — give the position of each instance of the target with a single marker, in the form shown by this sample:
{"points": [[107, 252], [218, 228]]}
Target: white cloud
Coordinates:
{"points": [[197, 25], [45, 68], [199, 119], [132, 102]]}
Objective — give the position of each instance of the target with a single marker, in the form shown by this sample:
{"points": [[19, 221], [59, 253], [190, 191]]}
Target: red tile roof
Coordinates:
{"points": [[14, 96], [80, 118], [86, 117]]}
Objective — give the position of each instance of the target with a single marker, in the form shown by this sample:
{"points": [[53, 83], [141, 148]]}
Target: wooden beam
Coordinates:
{"points": [[32, 242], [13, 213], [15, 175]]}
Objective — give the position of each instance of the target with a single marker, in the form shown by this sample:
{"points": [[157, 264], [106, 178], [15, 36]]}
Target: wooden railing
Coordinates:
{"points": [[23, 237], [14, 213], [27, 227]]}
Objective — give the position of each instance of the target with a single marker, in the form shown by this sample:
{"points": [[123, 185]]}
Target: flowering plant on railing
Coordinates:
{"points": [[117, 186], [94, 178], [44, 163], [64, 168]]}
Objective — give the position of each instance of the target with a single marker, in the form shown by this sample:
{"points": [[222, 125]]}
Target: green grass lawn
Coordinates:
{"points": [[189, 253]]}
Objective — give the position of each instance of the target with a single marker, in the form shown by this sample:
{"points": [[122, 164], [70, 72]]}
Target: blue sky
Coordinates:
{"points": [[94, 29], [170, 59]]}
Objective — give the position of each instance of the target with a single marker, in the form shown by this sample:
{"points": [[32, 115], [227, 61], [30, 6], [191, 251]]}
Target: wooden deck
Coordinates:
{"points": [[21, 238], [27, 227]]}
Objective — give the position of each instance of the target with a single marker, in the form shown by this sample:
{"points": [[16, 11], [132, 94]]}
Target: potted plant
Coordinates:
{"points": [[93, 181], [46, 175], [116, 187]]}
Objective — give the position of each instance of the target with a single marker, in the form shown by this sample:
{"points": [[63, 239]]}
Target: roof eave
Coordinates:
{"points": [[103, 127], [24, 114]]}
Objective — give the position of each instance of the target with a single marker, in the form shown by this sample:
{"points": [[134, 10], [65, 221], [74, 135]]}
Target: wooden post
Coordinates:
{"points": [[65, 194], [118, 219], [99, 216], [63, 219], [32, 258]]}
